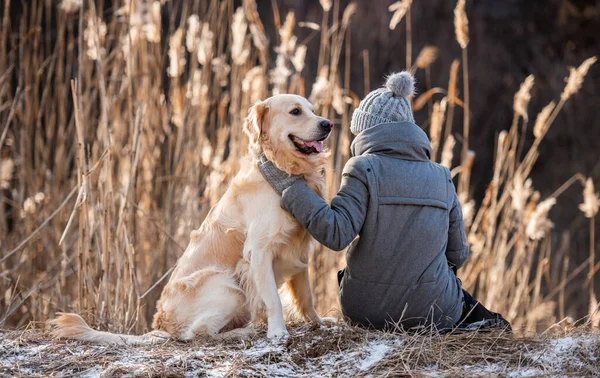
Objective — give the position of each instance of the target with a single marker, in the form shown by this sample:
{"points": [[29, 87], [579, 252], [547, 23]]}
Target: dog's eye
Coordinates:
{"points": [[295, 112]]}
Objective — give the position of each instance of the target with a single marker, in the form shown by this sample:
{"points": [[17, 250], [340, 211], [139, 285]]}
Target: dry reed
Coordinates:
{"points": [[461, 27]]}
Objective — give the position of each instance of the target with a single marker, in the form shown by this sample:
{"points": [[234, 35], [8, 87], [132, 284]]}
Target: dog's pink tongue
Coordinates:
{"points": [[316, 145]]}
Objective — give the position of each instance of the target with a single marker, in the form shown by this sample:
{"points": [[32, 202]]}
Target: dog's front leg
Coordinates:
{"points": [[261, 267]]}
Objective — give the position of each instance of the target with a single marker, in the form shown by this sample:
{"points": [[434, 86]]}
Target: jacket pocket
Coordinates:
{"points": [[431, 202]]}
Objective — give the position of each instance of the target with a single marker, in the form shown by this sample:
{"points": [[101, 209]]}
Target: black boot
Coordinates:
{"points": [[476, 317]]}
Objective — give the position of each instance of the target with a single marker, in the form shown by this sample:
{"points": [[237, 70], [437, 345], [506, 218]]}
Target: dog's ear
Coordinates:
{"points": [[254, 124]]}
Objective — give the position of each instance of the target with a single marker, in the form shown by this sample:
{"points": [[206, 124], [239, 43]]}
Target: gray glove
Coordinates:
{"points": [[278, 179]]}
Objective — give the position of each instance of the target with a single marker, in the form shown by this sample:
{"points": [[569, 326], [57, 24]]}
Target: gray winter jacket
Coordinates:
{"points": [[405, 211]]}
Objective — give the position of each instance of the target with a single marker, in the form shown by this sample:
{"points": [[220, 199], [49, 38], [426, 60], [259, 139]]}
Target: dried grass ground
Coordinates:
{"points": [[121, 125], [311, 351]]}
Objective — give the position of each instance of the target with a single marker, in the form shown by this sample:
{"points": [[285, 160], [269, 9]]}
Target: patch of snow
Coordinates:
{"points": [[431, 374], [553, 358], [262, 347], [39, 348], [559, 352], [220, 371], [282, 369], [92, 373], [333, 358], [175, 359], [492, 369], [377, 351], [525, 372], [483, 368]]}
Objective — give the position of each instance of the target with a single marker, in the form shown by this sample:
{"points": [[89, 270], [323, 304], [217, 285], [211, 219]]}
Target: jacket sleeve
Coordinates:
{"points": [[458, 249], [337, 225]]}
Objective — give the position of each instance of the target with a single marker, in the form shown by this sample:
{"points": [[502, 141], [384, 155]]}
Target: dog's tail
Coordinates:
{"points": [[72, 326]]}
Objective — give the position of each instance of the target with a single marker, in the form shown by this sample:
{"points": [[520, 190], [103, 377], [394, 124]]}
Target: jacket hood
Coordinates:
{"points": [[401, 139]]}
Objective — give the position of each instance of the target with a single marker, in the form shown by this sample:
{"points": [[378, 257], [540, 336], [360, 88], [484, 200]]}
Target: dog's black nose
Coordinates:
{"points": [[326, 125]]}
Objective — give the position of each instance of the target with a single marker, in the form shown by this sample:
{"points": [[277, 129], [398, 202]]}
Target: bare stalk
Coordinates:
{"points": [[366, 72], [593, 302], [408, 40], [464, 180]]}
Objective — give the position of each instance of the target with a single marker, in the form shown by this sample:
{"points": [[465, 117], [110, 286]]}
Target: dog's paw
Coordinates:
{"points": [[277, 334], [328, 320]]}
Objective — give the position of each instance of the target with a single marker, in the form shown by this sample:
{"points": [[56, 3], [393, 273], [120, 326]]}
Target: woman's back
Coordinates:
{"points": [[398, 264]]}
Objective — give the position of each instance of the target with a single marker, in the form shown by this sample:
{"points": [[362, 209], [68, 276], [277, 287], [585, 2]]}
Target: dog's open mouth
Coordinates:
{"points": [[308, 146]]}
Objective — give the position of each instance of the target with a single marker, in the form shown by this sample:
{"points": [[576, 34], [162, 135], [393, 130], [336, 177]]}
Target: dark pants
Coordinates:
{"points": [[473, 311]]}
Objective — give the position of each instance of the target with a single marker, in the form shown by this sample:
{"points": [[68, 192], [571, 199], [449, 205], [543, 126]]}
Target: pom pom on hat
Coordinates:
{"points": [[401, 84]]}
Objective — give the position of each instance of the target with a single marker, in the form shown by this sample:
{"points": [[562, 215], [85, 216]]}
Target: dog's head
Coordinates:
{"points": [[289, 133]]}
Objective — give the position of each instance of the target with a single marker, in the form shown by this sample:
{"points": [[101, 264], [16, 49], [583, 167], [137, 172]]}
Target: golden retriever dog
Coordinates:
{"points": [[247, 248]]}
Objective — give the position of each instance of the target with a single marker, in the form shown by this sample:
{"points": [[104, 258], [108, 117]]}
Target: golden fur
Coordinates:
{"points": [[246, 248]]}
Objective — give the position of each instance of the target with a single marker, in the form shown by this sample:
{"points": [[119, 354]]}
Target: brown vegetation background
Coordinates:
{"points": [[116, 141]]}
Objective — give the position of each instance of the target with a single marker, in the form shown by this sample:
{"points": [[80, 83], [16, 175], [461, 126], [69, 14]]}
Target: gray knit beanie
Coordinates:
{"points": [[385, 105]]}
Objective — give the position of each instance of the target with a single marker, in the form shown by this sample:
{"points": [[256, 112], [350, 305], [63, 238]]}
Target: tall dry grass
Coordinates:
{"points": [[121, 130]]}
